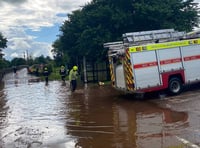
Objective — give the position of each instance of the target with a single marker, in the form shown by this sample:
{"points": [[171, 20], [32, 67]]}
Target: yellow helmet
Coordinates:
{"points": [[75, 68]]}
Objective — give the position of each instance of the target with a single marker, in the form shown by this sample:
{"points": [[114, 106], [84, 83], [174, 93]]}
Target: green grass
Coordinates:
{"points": [[55, 75]]}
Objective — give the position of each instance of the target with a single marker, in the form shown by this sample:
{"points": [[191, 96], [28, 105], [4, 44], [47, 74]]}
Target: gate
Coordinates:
{"points": [[95, 72]]}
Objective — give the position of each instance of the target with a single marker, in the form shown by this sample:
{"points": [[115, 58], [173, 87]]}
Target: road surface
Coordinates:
{"points": [[34, 115]]}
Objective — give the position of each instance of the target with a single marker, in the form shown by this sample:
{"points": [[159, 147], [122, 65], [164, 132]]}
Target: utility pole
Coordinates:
{"points": [[27, 54], [24, 55], [84, 69]]}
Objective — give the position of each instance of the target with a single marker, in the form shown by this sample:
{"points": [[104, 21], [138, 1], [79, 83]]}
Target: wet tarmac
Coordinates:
{"points": [[34, 115]]}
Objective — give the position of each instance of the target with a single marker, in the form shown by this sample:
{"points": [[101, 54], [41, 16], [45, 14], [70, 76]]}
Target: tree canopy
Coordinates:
{"points": [[3, 44], [100, 21], [18, 61], [3, 41]]}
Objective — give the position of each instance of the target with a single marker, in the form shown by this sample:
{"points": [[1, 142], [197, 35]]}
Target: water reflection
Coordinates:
{"points": [[37, 115], [102, 116], [3, 107], [34, 112], [145, 124]]}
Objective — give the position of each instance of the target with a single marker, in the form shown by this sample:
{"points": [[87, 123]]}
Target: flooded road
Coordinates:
{"points": [[34, 115]]}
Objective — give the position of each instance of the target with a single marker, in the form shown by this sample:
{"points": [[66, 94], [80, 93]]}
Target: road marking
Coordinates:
{"points": [[188, 143]]}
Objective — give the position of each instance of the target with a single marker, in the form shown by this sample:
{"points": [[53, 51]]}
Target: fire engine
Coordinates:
{"points": [[154, 60]]}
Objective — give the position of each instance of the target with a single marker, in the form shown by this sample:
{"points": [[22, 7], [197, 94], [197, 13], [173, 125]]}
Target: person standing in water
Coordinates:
{"points": [[46, 74], [63, 73], [15, 70], [73, 75]]}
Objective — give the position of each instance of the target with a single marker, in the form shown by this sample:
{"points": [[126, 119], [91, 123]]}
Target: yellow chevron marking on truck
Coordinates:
{"points": [[164, 45], [111, 72], [128, 71]]}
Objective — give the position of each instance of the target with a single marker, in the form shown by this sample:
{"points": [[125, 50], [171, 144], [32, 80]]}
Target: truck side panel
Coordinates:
{"points": [[191, 57], [151, 67], [170, 59], [120, 79], [145, 69]]}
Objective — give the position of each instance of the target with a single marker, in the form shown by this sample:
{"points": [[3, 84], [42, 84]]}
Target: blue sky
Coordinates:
{"points": [[46, 34], [33, 25]]}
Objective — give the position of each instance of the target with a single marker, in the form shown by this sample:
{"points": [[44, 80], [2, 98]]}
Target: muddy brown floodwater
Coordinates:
{"points": [[34, 115]]}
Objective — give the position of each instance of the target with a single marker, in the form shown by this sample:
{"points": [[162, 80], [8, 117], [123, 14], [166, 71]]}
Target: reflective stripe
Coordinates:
{"points": [[190, 58], [165, 62], [111, 71], [157, 46], [144, 65], [128, 72]]}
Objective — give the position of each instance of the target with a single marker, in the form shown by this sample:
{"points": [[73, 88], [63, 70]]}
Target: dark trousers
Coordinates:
{"points": [[73, 85], [63, 77], [46, 79]]}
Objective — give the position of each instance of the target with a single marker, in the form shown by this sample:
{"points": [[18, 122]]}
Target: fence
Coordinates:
{"points": [[8, 70]]}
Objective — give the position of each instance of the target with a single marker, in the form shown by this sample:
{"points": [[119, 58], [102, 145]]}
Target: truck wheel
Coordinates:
{"points": [[175, 86]]}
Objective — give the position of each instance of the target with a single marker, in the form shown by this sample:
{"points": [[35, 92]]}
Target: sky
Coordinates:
{"points": [[31, 26]]}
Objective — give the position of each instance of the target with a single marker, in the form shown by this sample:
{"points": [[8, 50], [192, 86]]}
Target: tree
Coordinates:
{"points": [[4, 64], [18, 61], [3, 41], [100, 21], [157, 14], [40, 60], [3, 44], [59, 56]]}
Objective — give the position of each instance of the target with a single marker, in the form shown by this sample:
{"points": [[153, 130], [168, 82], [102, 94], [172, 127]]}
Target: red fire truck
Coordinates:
{"points": [[154, 60]]}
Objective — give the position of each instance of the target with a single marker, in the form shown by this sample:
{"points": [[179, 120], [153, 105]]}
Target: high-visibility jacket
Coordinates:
{"points": [[73, 75], [46, 72], [62, 71]]}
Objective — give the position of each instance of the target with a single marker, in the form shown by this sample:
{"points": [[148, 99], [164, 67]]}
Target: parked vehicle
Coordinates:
{"points": [[155, 60]]}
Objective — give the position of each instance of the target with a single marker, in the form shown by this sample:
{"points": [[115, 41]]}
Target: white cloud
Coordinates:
{"points": [[40, 49], [13, 1], [18, 16], [15, 55]]}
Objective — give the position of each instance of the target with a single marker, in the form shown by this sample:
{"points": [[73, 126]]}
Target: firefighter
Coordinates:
{"points": [[46, 74], [15, 70], [73, 75], [63, 72]]}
